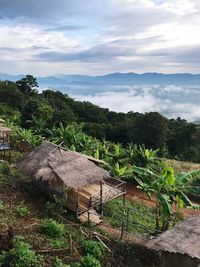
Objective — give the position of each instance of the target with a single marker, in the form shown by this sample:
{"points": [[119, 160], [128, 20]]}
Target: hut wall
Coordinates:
{"points": [[169, 259], [72, 200], [83, 203], [57, 186], [48, 189]]}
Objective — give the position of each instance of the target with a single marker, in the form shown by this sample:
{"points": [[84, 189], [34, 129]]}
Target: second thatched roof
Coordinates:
{"points": [[184, 238], [49, 162]]}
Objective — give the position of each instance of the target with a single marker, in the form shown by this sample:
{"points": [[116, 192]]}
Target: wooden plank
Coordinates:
{"points": [[91, 216]]}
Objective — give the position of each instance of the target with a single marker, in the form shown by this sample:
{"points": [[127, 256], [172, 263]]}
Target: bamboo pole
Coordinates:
{"points": [[77, 204], [127, 218], [122, 231], [70, 244], [124, 200], [101, 198]]}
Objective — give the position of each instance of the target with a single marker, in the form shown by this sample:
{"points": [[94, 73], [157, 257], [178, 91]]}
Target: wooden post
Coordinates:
{"points": [[124, 199], [122, 231], [77, 204], [70, 244], [127, 218], [90, 201], [88, 217], [101, 198], [9, 154], [124, 195]]}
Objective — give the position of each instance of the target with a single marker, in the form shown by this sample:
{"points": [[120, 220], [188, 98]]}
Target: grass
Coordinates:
{"points": [[141, 218], [182, 166], [21, 211]]}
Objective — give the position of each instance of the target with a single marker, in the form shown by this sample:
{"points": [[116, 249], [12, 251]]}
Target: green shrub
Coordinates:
{"points": [[21, 211], [58, 243], [21, 255], [59, 263], [5, 169], [52, 228], [87, 261], [93, 248]]}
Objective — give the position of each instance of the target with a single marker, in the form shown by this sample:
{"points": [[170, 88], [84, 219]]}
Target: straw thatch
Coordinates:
{"points": [[5, 129], [49, 162], [184, 238]]}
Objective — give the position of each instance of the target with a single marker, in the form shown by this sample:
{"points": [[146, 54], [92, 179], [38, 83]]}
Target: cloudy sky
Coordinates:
{"points": [[49, 37]]}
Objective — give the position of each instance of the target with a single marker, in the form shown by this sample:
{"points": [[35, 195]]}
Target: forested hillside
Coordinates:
{"points": [[131, 146], [21, 102]]}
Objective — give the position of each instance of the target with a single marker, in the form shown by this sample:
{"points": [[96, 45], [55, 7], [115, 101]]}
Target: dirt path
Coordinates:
{"points": [[127, 236], [133, 193]]}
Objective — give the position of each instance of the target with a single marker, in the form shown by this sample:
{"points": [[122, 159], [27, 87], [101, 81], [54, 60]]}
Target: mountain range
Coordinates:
{"points": [[173, 95], [113, 79]]}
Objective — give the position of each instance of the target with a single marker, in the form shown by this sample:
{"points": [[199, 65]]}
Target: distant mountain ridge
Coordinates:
{"points": [[173, 95], [113, 79]]}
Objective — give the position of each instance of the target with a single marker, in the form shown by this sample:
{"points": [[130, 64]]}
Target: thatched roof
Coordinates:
{"points": [[49, 162], [5, 129], [184, 238], [2, 120]]}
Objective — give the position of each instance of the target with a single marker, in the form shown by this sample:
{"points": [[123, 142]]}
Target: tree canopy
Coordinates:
{"points": [[176, 138]]}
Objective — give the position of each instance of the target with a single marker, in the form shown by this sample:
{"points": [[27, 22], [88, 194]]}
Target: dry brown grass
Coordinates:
{"points": [[182, 166]]}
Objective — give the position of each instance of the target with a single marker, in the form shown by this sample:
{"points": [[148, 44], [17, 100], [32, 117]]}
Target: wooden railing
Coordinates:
{"points": [[104, 195]]}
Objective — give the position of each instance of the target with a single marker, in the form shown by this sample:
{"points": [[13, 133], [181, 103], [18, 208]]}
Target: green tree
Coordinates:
{"points": [[151, 130], [35, 111], [27, 85], [61, 105], [10, 95]]}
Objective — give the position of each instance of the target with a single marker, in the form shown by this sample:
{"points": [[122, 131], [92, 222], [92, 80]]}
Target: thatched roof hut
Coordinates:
{"points": [[4, 129], [181, 245], [49, 162]]}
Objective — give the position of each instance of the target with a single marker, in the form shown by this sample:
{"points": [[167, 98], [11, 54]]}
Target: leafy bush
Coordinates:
{"points": [[59, 263], [21, 255], [87, 261], [21, 211], [93, 248], [5, 168], [57, 243], [10, 176], [52, 228]]}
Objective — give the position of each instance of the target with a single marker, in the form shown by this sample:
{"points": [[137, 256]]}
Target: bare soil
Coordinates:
{"points": [[135, 194]]}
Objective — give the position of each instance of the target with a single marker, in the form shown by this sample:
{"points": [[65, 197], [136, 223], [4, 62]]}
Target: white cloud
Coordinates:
{"points": [[172, 101], [122, 102], [131, 31]]}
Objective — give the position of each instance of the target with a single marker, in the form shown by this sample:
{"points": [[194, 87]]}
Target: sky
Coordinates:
{"points": [[96, 37]]}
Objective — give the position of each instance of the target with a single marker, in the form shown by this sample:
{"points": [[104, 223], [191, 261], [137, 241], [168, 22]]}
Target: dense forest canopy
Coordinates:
{"points": [[176, 138]]}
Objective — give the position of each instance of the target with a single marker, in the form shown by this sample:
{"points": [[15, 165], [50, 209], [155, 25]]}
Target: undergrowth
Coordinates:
{"points": [[52, 228], [141, 219], [21, 255]]}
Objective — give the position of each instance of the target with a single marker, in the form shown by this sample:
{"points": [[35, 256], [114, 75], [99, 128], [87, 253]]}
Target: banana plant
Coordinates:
{"points": [[117, 171], [37, 125], [25, 139], [169, 191]]}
